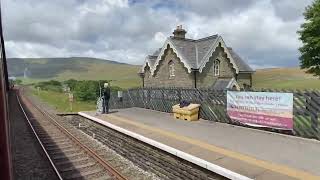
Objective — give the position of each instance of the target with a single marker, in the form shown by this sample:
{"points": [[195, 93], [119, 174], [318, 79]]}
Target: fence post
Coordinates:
{"points": [[149, 98], [179, 94], [313, 113]]}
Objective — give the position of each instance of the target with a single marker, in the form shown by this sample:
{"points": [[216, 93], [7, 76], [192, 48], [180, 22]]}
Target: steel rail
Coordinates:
{"points": [[106, 165], [38, 139]]}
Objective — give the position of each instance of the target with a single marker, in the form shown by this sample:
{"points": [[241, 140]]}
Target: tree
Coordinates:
{"points": [[86, 90], [17, 81], [310, 37], [71, 83]]}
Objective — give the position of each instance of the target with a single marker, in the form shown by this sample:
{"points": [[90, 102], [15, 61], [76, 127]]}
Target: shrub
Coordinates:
{"points": [[51, 85], [85, 90]]}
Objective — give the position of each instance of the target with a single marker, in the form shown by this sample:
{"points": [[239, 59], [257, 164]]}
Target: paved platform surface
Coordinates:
{"points": [[253, 153]]}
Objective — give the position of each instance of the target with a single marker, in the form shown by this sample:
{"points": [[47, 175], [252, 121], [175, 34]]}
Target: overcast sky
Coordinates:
{"points": [[263, 32]]}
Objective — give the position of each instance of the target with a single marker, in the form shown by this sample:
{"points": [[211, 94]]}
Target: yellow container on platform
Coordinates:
{"points": [[189, 113]]}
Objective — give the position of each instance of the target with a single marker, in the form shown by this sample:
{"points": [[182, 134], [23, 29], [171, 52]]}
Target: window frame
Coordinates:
{"points": [[171, 67], [216, 67]]}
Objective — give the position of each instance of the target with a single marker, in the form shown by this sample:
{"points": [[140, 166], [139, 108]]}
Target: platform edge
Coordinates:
{"points": [[188, 157]]}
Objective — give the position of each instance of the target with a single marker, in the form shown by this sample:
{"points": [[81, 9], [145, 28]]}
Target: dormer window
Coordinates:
{"points": [[171, 69], [216, 67]]}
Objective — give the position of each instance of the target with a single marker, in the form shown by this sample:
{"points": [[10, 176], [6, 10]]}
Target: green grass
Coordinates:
{"points": [[61, 103], [285, 78], [28, 81], [122, 75], [44, 69], [125, 75]]}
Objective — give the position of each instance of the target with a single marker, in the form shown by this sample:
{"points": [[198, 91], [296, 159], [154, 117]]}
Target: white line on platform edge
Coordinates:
{"points": [[188, 157]]}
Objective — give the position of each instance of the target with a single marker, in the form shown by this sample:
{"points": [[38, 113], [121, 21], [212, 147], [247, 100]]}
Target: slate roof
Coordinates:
{"points": [[157, 52], [203, 46], [187, 49], [224, 84], [221, 84], [242, 65], [152, 60], [195, 51]]}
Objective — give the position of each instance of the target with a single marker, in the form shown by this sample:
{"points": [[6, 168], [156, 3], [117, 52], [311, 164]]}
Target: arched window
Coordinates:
{"points": [[216, 67], [171, 69]]}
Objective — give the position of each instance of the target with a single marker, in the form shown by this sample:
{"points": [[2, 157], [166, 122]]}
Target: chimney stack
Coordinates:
{"points": [[179, 32]]}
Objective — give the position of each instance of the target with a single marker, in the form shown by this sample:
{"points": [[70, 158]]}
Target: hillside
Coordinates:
{"points": [[42, 69], [125, 75], [285, 78]]}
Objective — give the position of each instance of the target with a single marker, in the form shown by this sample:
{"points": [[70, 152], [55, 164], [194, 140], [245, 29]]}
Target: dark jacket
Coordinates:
{"points": [[106, 93]]}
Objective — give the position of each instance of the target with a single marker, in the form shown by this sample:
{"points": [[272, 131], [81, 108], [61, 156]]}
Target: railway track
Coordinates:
{"points": [[69, 157]]}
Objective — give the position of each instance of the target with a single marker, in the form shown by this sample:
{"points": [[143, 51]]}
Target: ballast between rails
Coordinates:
{"points": [[89, 151], [38, 139]]}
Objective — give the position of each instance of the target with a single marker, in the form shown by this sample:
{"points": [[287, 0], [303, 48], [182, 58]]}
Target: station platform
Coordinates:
{"points": [[250, 153]]}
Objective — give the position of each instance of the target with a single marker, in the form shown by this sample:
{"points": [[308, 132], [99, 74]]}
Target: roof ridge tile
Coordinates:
{"points": [[208, 37]]}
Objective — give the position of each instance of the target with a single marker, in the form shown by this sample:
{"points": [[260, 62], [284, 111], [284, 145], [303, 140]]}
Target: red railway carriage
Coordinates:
{"points": [[5, 160]]}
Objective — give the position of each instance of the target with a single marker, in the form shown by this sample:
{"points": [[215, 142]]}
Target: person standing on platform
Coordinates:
{"points": [[106, 98]]}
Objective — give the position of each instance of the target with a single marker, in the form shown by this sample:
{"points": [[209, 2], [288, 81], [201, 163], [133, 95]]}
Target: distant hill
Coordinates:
{"points": [[41, 69], [125, 75], [285, 78]]}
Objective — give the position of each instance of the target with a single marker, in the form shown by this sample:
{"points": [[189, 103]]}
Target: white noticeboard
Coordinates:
{"points": [[70, 97], [265, 109]]}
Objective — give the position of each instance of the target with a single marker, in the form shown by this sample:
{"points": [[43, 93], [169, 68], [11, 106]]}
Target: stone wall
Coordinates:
{"points": [[148, 158], [244, 78], [182, 78], [161, 77], [206, 78], [147, 79]]}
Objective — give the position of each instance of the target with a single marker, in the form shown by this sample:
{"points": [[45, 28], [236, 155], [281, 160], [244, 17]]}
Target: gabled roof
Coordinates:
{"points": [[223, 84], [194, 54], [242, 65], [203, 45], [185, 48], [149, 61]]}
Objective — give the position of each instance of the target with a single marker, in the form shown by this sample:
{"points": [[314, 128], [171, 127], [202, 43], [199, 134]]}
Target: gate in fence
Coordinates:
{"points": [[306, 107]]}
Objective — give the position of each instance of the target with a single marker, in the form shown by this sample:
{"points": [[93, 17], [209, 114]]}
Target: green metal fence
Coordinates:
{"points": [[306, 108]]}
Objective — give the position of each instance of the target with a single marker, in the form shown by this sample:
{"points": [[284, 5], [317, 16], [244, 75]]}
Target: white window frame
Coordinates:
{"points": [[171, 69], [216, 67]]}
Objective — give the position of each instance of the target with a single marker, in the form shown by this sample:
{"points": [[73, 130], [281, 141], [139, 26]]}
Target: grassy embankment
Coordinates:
{"points": [[285, 78], [60, 101], [277, 78], [61, 69]]}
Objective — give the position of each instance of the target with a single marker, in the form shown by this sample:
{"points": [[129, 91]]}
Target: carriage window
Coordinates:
{"points": [[171, 69], [216, 68]]}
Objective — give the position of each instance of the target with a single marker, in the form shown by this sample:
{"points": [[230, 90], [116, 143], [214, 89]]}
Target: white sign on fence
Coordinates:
{"points": [[266, 109], [70, 97]]}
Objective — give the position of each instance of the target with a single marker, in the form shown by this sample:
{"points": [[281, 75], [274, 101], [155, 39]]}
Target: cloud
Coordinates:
{"points": [[215, 8], [262, 32], [289, 10]]}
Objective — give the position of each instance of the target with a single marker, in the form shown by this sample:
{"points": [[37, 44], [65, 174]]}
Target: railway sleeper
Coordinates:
{"points": [[68, 156], [86, 173], [47, 138], [74, 163], [48, 134], [71, 158], [76, 167], [81, 160], [58, 148], [61, 146], [59, 143], [67, 151]]}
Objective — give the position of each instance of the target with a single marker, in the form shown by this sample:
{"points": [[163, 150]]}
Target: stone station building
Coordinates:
{"points": [[201, 63]]}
